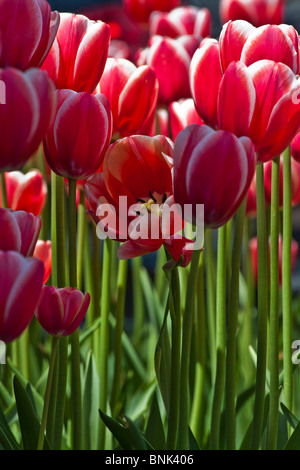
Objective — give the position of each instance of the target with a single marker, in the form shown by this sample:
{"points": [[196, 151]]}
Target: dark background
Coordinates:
{"points": [[292, 11]]}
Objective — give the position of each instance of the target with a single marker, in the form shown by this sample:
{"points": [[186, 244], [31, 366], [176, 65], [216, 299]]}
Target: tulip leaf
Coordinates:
{"points": [[29, 422], [294, 441], [192, 441], [91, 394], [245, 445], [163, 361], [126, 433], [7, 439], [155, 430], [291, 419]]}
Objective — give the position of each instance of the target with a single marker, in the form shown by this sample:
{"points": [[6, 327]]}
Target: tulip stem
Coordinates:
{"points": [[262, 272], [75, 357], [3, 192], [47, 394], [287, 281], [274, 318], [187, 326], [221, 339], [211, 299], [233, 310], [175, 312], [81, 237], [53, 230]]}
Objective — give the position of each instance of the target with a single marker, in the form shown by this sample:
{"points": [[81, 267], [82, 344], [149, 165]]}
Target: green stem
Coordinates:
{"points": [[287, 281], [274, 313], [3, 192], [138, 300], [104, 335], [221, 340], [175, 312], [74, 338], [121, 295], [262, 260], [60, 232], [211, 300], [53, 230], [233, 310], [81, 238], [61, 392], [183, 438], [47, 395]]}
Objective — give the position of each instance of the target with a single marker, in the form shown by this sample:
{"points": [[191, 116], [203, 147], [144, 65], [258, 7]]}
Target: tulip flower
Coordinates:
{"points": [[77, 58], [140, 10], [27, 31], [19, 231], [170, 59], [27, 192], [121, 81], [239, 40], [139, 169], [24, 120], [294, 255], [44, 253], [181, 21], [295, 182], [182, 114], [21, 283], [61, 311], [76, 142], [257, 12], [213, 168]]}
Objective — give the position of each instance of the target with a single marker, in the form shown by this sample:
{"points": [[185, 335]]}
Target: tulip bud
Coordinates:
{"points": [[21, 282], [76, 142], [44, 253], [213, 168], [121, 81], [30, 103], [61, 311], [257, 12], [26, 192], [77, 58], [19, 231], [27, 31], [141, 10]]}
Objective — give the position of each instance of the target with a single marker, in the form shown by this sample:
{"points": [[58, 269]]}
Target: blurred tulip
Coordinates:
{"points": [[125, 85], [27, 31], [21, 282], [213, 168], [24, 120], [19, 231], [44, 253], [170, 60], [61, 311], [253, 254], [257, 12], [295, 147], [77, 58], [26, 192], [76, 142], [138, 168], [140, 10], [182, 114], [180, 21], [295, 188], [239, 40]]}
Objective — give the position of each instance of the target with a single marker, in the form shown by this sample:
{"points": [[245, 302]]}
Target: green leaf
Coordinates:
{"points": [[294, 441], [7, 438], [192, 441], [247, 438], [162, 362], [126, 433], [291, 419], [29, 423], [155, 430], [91, 394]]}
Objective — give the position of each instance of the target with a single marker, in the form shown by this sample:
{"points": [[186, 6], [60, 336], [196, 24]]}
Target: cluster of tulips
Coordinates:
{"points": [[116, 338]]}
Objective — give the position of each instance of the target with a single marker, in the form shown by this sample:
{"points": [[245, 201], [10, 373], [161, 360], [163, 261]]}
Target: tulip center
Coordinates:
{"points": [[153, 205]]}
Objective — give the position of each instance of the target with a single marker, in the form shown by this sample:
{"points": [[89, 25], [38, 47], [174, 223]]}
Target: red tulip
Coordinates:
{"points": [[125, 85], [26, 192], [27, 31], [76, 142], [239, 40], [182, 114], [138, 168], [140, 10], [24, 119], [44, 253], [295, 187], [170, 59], [61, 311], [257, 12], [294, 255], [19, 231], [180, 21], [20, 287], [214, 168], [77, 58]]}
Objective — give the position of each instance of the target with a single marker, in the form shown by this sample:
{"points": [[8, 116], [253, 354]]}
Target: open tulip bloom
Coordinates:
{"points": [[149, 229]]}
